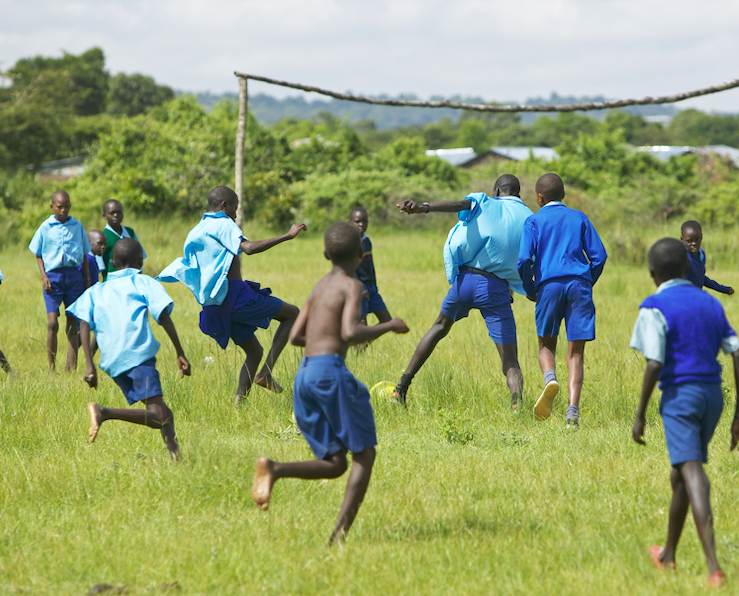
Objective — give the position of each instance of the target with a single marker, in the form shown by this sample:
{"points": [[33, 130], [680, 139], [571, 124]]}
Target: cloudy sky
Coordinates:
{"points": [[488, 48]]}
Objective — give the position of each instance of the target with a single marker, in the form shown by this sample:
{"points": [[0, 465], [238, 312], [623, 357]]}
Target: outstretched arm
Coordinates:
{"points": [[717, 287], [354, 332], [410, 207], [91, 375], [182, 363], [651, 374], [252, 247]]}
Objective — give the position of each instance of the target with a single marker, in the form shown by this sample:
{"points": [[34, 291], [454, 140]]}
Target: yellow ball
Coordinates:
{"points": [[383, 389]]}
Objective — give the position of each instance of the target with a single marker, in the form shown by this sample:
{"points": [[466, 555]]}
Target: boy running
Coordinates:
{"points": [[114, 231], [680, 331], [332, 408], [691, 235], [60, 245], [233, 308], [117, 311], [560, 260]]}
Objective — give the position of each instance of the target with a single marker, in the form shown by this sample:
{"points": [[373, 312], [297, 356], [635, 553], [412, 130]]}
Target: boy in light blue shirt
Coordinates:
{"points": [[117, 311], [480, 258], [560, 259], [233, 308], [4, 364], [60, 245]]}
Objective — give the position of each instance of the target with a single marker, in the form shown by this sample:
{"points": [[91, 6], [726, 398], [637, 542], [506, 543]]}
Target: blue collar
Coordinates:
{"points": [[215, 214], [53, 221]]}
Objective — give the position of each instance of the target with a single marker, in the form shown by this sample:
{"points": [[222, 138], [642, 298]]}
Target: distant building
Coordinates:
{"points": [[665, 152], [63, 169], [465, 157]]}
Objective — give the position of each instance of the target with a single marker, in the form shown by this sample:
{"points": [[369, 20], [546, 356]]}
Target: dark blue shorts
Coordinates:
{"points": [[570, 299], [490, 296], [374, 302], [141, 382], [690, 413], [246, 307], [332, 408], [67, 284]]}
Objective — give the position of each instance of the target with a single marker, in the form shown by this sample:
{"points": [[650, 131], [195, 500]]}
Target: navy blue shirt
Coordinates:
{"points": [[697, 274], [366, 268], [559, 242]]}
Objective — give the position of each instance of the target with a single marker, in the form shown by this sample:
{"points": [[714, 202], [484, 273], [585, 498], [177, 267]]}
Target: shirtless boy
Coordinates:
{"points": [[332, 408]]}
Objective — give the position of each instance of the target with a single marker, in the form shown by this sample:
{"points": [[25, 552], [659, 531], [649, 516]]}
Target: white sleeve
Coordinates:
{"points": [[650, 334], [730, 344]]}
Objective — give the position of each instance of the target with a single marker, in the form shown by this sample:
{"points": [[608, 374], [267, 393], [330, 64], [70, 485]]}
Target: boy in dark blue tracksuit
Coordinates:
{"points": [[691, 235], [560, 259]]}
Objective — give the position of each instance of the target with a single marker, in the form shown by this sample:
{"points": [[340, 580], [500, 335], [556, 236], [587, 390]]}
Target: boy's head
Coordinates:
{"points": [[98, 242], [692, 236], [668, 260], [359, 219], [113, 213], [222, 198], [549, 188], [128, 254], [342, 244], [507, 186], [60, 205]]}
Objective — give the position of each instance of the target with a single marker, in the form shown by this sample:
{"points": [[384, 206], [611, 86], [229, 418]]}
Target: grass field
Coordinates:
{"points": [[465, 499]]}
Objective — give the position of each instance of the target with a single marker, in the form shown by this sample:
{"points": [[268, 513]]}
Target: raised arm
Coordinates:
{"points": [[252, 247], [354, 332], [182, 363], [410, 207], [651, 374]]}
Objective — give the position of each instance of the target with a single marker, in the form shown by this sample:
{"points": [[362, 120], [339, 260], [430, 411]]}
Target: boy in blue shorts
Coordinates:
{"points": [[680, 331], [372, 302], [691, 236], [117, 311], [560, 259], [60, 245], [332, 408], [480, 259], [4, 364], [233, 308]]}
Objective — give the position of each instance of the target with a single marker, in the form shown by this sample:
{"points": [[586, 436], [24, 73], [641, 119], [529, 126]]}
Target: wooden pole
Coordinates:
{"points": [[240, 140]]}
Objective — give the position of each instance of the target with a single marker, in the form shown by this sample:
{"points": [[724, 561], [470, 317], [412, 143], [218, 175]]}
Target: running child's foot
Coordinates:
{"points": [[268, 383], [261, 488], [543, 406], [96, 419], [655, 553], [516, 403], [716, 579], [572, 417]]}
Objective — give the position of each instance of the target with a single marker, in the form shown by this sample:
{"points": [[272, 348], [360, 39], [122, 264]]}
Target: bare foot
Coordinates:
{"points": [[268, 383], [261, 488], [175, 453], [96, 419], [238, 399]]}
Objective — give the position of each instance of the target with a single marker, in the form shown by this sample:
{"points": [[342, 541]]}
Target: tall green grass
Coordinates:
{"points": [[465, 498]]}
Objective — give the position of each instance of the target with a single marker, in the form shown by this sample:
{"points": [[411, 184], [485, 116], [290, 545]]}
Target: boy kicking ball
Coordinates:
{"points": [[332, 408], [680, 331], [117, 311]]}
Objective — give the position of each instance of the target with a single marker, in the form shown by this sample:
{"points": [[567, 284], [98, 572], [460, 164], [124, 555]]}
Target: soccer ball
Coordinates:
{"points": [[383, 390]]}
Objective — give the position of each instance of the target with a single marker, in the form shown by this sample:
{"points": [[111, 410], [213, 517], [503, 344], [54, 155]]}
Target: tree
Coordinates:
{"points": [[131, 95]]}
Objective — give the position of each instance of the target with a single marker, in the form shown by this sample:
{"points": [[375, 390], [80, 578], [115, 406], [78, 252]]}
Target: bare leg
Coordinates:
{"points": [[512, 371], [73, 341], [575, 370], [547, 350], [678, 512], [356, 488], [155, 415], [287, 315], [699, 491], [4, 364], [267, 472], [52, 329], [253, 350]]}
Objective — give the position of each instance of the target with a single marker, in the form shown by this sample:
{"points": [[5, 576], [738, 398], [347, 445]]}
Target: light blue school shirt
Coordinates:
{"points": [[487, 237], [650, 330], [210, 248], [60, 244], [117, 311], [559, 242], [2, 277]]}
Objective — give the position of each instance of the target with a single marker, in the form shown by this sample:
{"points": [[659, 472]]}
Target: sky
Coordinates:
{"points": [[499, 51]]}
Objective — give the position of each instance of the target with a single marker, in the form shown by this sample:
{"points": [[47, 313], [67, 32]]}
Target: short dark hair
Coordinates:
{"points": [[357, 208], [669, 259], [551, 187], [221, 194], [111, 202], [691, 224], [508, 185], [342, 242], [127, 252], [59, 193]]}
